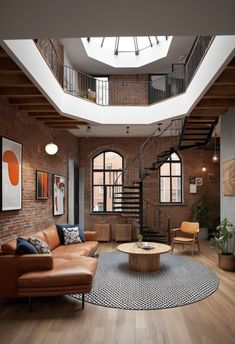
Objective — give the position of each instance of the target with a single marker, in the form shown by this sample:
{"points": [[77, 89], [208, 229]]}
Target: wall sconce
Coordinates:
{"points": [[215, 157], [51, 148]]}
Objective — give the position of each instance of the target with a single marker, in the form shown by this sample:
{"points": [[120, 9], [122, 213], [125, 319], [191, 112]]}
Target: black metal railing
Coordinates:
{"points": [[125, 92], [155, 220]]}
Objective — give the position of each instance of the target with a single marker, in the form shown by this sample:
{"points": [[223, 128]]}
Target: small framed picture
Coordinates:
{"points": [[199, 181], [10, 175], [58, 195], [211, 177], [41, 185]]}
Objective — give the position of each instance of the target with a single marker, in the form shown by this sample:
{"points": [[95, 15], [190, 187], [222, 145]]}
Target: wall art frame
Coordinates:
{"points": [[11, 174], [42, 185], [58, 194]]}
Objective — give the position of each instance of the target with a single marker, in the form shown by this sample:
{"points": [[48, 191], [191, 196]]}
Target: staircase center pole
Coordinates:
{"points": [[141, 214]]}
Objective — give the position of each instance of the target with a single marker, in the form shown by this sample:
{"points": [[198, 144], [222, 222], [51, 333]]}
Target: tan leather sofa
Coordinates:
{"points": [[68, 269]]}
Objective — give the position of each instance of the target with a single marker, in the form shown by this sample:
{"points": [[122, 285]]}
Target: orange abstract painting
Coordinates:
{"points": [[11, 175]]}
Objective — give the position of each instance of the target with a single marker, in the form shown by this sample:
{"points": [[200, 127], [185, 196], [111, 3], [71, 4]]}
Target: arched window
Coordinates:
{"points": [[171, 180], [106, 178]]}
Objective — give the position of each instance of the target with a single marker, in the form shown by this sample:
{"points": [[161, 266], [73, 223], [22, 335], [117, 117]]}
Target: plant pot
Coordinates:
{"points": [[227, 261]]}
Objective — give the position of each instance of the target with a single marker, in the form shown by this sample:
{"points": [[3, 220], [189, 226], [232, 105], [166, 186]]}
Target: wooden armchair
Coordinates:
{"points": [[191, 230]]}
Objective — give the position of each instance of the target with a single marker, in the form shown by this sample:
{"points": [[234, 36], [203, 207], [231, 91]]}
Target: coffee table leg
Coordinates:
{"points": [[144, 263]]}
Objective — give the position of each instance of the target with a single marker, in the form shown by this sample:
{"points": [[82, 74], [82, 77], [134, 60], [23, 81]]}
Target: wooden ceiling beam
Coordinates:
{"points": [[220, 91], [17, 91], [38, 108], [231, 65], [44, 114], [6, 64], [16, 80], [216, 103], [227, 77], [28, 100], [64, 121], [208, 112], [69, 126]]}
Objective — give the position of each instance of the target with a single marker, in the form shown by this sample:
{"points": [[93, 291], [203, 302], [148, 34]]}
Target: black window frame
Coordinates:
{"points": [[105, 186], [170, 176]]}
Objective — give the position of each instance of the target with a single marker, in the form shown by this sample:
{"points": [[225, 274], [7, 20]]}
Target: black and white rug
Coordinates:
{"points": [[180, 281]]}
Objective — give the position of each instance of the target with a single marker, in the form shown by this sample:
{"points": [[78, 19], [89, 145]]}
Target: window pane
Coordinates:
{"points": [[175, 169], [98, 162], [112, 177], [175, 157], [109, 201], [98, 198], [98, 178], [165, 189], [113, 161], [165, 169], [176, 189]]}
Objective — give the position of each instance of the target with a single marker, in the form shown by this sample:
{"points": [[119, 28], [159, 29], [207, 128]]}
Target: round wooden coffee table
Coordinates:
{"points": [[141, 259]]}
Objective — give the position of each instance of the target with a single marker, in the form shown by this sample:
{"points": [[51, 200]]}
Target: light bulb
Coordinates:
{"points": [[51, 148], [203, 168], [215, 158]]}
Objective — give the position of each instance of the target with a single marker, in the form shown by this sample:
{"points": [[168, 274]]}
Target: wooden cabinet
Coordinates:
{"points": [[103, 231], [123, 232]]}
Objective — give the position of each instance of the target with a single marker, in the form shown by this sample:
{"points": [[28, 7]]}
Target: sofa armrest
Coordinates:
{"points": [[12, 266], [90, 235]]}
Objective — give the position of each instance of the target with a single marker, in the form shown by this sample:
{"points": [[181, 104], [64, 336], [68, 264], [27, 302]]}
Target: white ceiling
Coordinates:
{"points": [[76, 56], [77, 18]]}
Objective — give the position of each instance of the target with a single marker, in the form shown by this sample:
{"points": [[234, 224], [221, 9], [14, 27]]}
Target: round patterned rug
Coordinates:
{"points": [[180, 281]]}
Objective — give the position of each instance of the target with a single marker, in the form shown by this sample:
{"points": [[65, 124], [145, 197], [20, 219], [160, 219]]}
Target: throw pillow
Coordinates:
{"points": [[61, 233], [24, 247], [71, 235], [40, 245]]}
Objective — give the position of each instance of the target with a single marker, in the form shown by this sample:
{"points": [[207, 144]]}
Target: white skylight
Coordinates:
{"points": [[124, 52]]}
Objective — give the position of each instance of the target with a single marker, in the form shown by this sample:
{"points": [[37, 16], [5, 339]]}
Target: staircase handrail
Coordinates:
{"points": [[143, 147], [156, 207]]}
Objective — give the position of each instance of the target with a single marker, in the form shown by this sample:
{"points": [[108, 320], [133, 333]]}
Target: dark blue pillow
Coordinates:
{"points": [[24, 247], [61, 233]]}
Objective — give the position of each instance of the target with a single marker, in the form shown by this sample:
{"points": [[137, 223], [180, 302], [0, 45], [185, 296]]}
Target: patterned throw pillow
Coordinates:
{"points": [[40, 245], [71, 235]]}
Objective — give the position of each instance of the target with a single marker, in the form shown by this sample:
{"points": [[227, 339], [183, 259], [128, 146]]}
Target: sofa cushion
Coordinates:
{"points": [[52, 237], [61, 234], [65, 273], [71, 236], [73, 251], [24, 247], [40, 245], [9, 247]]}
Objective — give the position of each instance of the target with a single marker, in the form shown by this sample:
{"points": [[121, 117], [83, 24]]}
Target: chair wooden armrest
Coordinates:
{"points": [[175, 230]]}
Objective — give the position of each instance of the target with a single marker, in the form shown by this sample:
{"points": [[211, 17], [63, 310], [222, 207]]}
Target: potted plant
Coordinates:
{"points": [[201, 214], [221, 240]]}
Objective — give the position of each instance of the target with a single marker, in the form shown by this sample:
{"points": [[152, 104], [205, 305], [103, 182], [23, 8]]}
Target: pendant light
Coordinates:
{"points": [[51, 148], [215, 157]]}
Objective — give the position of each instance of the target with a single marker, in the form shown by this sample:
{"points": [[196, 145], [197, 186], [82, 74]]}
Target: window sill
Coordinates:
{"points": [[172, 204]]}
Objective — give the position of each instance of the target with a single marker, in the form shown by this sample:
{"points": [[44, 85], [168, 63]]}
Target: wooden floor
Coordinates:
{"points": [[60, 319]]}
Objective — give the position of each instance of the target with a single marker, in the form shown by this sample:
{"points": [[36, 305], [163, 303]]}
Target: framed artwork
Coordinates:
{"points": [[11, 175], [229, 177], [211, 177], [199, 181], [58, 194], [41, 185]]}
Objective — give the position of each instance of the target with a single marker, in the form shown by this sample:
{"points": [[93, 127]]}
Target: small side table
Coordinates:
{"points": [[103, 231]]}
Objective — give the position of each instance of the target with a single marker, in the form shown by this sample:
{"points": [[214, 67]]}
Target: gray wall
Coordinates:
{"points": [[227, 151]]}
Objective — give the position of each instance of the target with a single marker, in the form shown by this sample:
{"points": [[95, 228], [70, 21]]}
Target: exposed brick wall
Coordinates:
{"points": [[36, 214], [128, 89], [129, 147]]}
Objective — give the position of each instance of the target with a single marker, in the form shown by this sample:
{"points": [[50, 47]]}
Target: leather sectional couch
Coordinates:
{"points": [[68, 269]]}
